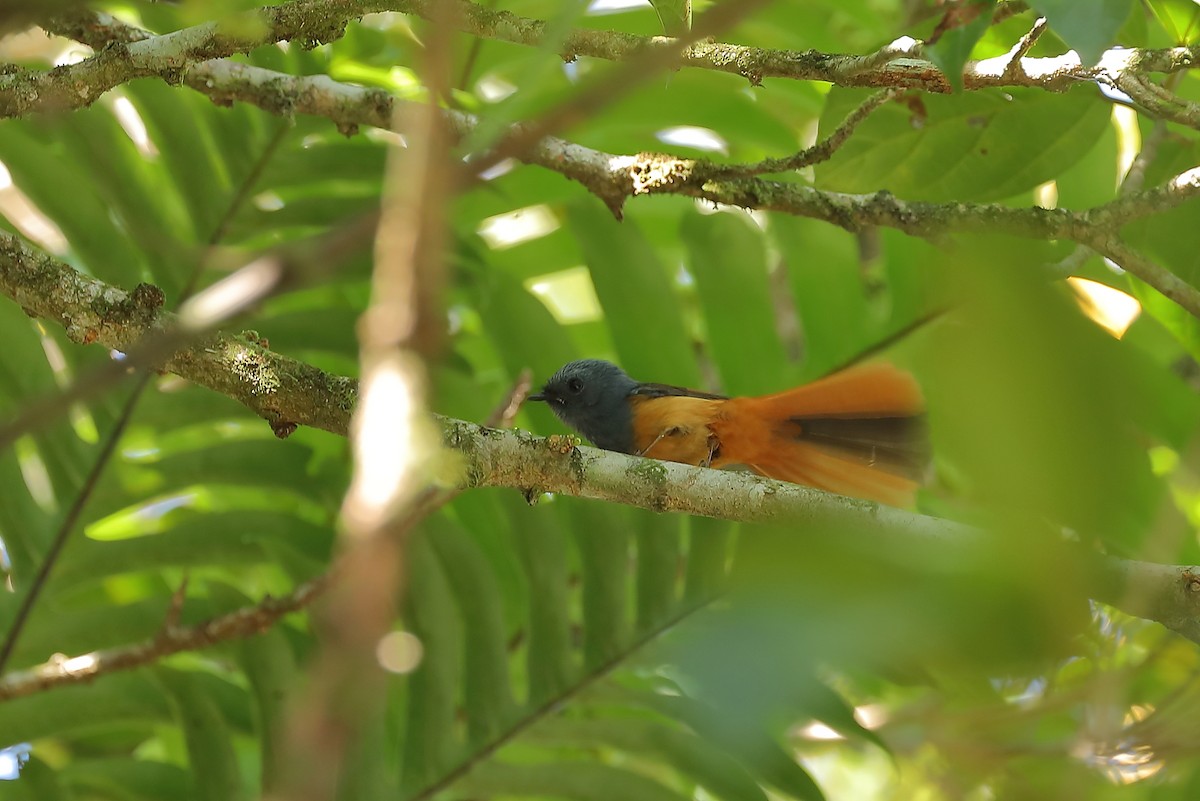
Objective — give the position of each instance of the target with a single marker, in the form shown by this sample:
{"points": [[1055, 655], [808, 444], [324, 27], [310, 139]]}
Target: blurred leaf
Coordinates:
{"points": [[954, 47], [980, 146], [1178, 18], [765, 759], [710, 767], [1088, 28], [675, 15], [578, 781], [727, 255], [128, 778], [635, 290], [210, 750]]}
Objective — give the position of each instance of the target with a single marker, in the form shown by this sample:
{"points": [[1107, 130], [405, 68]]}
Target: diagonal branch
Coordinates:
{"points": [[242, 623]]}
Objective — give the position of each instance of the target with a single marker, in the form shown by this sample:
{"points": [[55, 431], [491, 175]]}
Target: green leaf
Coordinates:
{"points": [[577, 781], [727, 255], [827, 287], [41, 169], [709, 543], [659, 553], [487, 693], [978, 146], [636, 293], [270, 667], [429, 745], [675, 15], [1088, 28], [695, 758], [762, 756], [37, 782], [550, 661], [209, 745], [954, 48], [130, 778], [1178, 18], [116, 698], [603, 562]]}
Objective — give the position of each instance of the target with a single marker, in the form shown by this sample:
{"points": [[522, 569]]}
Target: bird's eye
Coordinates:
{"points": [[575, 385]]}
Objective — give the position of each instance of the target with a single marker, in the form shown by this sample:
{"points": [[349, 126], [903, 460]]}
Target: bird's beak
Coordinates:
{"points": [[540, 396]]}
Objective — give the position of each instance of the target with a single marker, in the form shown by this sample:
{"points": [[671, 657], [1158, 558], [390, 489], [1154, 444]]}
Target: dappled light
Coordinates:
{"points": [[1110, 308]]}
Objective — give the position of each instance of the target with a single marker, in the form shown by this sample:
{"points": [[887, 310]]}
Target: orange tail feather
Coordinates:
{"points": [[859, 432]]}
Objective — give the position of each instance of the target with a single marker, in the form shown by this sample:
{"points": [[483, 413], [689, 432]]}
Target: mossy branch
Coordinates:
{"points": [[123, 56], [278, 387]]}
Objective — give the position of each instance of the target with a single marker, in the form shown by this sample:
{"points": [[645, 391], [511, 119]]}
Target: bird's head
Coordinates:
{"points": [[591, 396]]}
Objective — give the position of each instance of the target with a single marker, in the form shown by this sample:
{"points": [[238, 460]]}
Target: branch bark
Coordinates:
{"points": [[614, 178], [91, 311], [171, 639], [1169, 594], [309, 22]]}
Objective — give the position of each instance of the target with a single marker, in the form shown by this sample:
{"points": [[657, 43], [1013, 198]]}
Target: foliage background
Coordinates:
{"points": [[578, 649]]}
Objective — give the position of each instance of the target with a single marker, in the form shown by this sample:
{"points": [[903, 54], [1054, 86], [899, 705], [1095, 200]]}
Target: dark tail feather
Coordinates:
{"points": [[898, 445], [860, 432]]}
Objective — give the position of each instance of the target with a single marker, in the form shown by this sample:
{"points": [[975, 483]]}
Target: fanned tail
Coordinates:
{"points": [[859, 432]]}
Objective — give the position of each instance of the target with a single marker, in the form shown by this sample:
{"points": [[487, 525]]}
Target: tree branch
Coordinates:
{"points": [[1168, 594], [245, 622], [169, 56], [614, 178], [172, 56], [91, 311]]}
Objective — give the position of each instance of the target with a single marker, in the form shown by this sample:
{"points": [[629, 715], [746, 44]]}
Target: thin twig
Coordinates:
{"points": [[623, 79], [821, 151], [175, 610], [1022, 48], [400, 332], [504, 414], [473, 54], [246, 622], [847, 67]]}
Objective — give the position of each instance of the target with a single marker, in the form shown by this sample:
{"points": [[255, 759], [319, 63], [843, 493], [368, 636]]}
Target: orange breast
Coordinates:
{"points": [[675, 428]]}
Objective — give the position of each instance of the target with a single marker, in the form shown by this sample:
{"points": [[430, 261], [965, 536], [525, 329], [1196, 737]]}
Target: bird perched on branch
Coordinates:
{"points": [[858, 432]]}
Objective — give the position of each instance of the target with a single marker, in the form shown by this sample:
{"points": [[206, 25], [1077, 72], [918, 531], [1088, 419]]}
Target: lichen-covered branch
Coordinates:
{"points": [[92, 311], [1168, 594], [169, 56], [125, 55], [282, 391], [614, 177]]}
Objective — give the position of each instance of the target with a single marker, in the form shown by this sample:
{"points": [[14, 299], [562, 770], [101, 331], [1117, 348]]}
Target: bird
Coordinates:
{"points": [[859, 432]]}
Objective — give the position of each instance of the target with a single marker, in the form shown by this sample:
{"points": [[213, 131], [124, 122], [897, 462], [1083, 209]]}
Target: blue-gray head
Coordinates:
{"points": [[592, 397]]}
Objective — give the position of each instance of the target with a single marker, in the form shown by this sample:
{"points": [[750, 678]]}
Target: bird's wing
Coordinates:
{"points": [[668, 390]]}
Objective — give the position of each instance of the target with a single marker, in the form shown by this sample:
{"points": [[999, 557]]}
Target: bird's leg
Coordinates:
{"points": [[666, 432]]}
